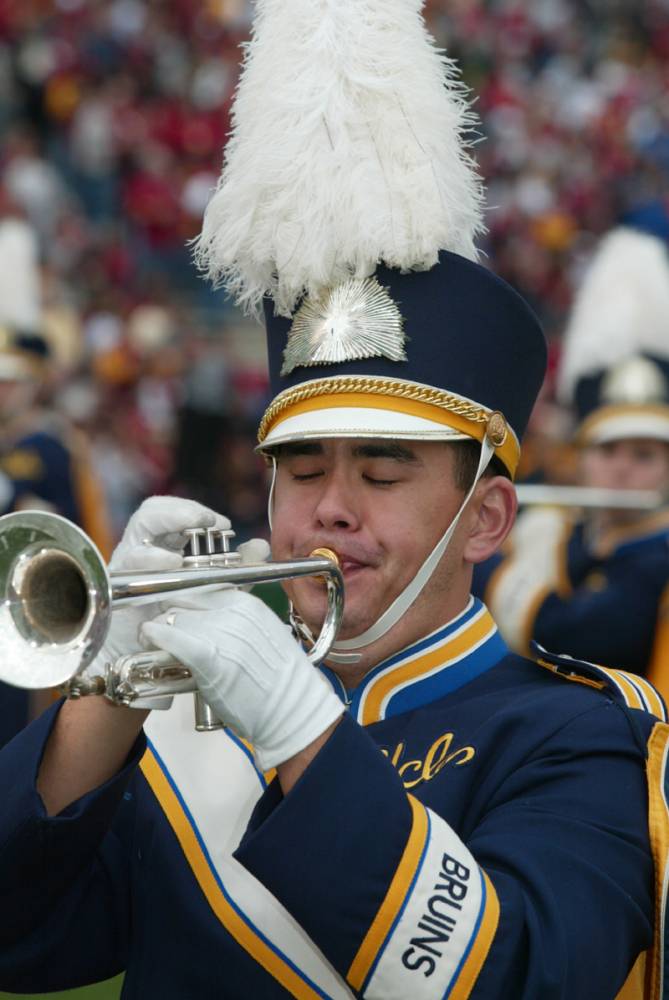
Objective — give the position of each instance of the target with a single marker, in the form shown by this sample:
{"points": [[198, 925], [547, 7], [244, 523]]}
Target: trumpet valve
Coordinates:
{"points": [[216, 548]]}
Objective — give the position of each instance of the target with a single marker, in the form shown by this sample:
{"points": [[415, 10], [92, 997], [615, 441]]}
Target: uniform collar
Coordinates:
{"points": [[649, 526], [429, 669]]}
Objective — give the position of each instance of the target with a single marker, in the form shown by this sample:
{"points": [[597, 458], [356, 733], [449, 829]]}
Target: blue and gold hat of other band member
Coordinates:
{"points": [[22, 354], [615, 364], [445, 354], [628, 400]]}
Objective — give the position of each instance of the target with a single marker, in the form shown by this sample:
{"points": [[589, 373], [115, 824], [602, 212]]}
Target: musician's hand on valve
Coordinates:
{"points": [[251, 671], [154, 539]]}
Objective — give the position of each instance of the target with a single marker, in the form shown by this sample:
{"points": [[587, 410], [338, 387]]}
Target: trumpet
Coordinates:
{"points": [[590, 497], [57, 597]]}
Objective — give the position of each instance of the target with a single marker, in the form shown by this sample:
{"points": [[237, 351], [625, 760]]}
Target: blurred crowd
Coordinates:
{"points": [[113, 117]]}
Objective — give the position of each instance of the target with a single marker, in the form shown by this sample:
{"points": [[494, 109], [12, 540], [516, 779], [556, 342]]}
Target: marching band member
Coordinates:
{"points": [[43, 462], [596, 586], [429, 815]]}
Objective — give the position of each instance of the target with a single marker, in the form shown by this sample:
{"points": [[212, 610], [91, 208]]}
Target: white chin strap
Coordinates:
{"points": [[344, 652], [270, 498]]}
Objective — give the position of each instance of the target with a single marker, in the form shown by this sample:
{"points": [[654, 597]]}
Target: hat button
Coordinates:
{"points": [[497, 429]]}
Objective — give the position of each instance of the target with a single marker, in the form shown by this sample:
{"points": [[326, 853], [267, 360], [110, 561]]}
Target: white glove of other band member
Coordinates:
{"points": [[251, 671]]}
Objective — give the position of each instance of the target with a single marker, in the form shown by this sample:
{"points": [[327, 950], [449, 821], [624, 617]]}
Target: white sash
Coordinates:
{"points": [[220, 786]]}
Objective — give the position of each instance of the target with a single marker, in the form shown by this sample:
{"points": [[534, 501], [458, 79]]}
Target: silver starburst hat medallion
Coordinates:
{"points": [[356, 319]]}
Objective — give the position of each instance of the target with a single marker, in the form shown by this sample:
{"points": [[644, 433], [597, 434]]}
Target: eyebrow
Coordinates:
{"points": [[381, 449], [375, 449], [293, 448]]}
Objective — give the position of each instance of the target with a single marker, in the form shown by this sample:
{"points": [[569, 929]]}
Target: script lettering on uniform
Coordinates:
{"points": [[439, 754], [436, 925]]}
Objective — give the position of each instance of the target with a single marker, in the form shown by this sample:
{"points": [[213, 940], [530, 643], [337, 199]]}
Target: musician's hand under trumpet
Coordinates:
{"points": [[252, 672], [155, 539]]}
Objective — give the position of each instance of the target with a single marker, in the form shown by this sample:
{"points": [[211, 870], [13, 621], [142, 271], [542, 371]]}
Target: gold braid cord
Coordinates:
{"points": [[371, 386]]}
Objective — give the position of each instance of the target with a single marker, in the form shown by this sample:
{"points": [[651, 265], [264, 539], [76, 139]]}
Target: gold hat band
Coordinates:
{"points": [[593, 424], [416, 400]]}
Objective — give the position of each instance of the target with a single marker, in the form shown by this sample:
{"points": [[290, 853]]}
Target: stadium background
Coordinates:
{"points": [[113, 114]]}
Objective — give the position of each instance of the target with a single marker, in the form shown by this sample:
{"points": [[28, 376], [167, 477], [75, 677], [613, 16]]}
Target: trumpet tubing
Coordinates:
{"points": [[57, 597], [589, 497]]}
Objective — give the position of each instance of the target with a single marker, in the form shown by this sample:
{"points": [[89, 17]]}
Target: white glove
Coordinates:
{"points": [[154, 540], [529, 573], [252, 673]]}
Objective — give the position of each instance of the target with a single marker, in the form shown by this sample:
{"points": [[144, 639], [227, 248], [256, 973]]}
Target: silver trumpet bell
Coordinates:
{"points": [[57, 597]]}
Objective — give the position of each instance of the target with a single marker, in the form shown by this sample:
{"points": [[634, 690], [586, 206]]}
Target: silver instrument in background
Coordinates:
{"points": [[57, 597], [589, 497]]}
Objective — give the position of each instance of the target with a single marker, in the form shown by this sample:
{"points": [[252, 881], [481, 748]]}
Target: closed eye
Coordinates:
{"points": [[305, 476], [379, 482]]}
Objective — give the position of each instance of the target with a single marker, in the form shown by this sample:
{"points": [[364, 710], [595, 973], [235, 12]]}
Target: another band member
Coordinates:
{"points": [[44, 462], [595, 584]]}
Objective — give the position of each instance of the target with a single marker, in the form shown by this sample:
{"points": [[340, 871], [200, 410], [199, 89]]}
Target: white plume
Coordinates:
{"points": [[20, 293], [621, 308], [349, 147]]}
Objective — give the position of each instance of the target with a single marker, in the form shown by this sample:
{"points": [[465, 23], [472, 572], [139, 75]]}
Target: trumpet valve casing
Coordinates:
{"points": [[210, 547]]}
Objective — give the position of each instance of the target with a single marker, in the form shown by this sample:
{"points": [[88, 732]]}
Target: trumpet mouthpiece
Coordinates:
{"points": [[326, 554]]}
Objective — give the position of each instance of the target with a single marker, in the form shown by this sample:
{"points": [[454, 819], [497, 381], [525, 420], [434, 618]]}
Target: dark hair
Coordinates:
{"points": [[466, 455]]}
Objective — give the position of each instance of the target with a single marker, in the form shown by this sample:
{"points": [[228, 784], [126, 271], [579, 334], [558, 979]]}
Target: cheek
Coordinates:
{"points": [[593, 469], [6, 396], [418, 526], [288, 513], [281, 540], [651, 475]]}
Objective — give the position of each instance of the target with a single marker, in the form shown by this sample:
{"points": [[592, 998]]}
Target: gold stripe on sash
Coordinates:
{"points": [[237, 927]]}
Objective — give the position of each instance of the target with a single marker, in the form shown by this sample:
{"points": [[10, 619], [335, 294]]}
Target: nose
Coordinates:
{"points": [[622, 469], [337, 507]]}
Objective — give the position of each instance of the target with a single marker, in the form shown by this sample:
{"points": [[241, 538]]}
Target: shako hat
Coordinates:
{"points": [[615, 364], [348, 207]]}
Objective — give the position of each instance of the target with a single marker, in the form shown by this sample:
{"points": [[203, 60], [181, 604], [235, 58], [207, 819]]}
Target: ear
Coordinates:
{"points": [[493, 512]]}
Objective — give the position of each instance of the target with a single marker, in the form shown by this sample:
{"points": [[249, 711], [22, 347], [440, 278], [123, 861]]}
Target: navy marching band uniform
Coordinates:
{"points": [[43, 459], [607, 604], [474, 856]]}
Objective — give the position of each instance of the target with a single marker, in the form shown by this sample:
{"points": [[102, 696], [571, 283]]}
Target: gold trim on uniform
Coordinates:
{"points": [[23, 463]]}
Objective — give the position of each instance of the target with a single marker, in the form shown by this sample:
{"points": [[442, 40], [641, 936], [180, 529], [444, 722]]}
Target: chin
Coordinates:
{"points": [[310, 603], [311, 607], [351, 625]]}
